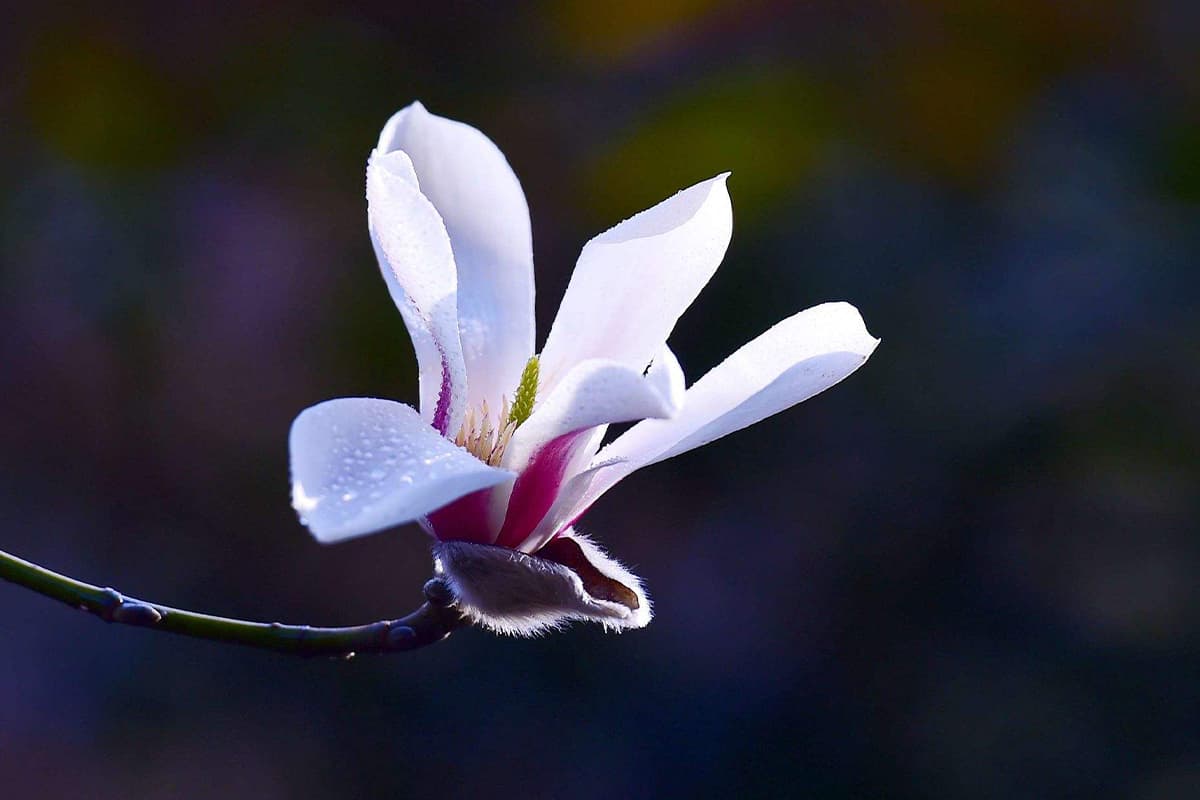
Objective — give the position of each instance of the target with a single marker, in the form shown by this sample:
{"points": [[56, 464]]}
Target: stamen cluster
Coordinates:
{"points": [[484, 439]]}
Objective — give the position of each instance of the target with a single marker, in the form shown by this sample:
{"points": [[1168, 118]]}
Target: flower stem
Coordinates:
{"points": [[436, 619]]}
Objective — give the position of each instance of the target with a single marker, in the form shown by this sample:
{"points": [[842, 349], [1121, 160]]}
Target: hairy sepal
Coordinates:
{"points": [[518, 594]]}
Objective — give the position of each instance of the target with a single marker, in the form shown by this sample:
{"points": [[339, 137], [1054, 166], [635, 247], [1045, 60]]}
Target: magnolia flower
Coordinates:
{"points": [[504, 455]]}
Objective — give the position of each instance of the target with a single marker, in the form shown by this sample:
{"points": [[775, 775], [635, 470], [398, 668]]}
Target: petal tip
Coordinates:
{"points": [[718, 182], [389, 135], [391, 164], [846, 316]]}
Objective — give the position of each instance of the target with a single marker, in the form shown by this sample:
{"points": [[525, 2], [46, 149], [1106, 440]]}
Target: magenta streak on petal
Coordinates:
{"points": [[536, 488], [441, 414], [465, 520]]}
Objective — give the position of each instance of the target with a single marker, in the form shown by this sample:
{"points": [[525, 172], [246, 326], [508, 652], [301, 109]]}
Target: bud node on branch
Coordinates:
{"points": [[436, 619]]}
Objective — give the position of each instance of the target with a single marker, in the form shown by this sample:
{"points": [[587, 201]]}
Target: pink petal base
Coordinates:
{"points": [[536, 488], [464, 520], [533, 493]]}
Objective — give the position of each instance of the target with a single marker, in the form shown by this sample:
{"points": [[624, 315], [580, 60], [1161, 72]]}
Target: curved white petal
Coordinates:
{"points": [[664, 385], [633, 282], [564, 431], [524, 595], [360, 465], [471, 185], [595, 392], [417, 263], [792, 361], [666, 377]]}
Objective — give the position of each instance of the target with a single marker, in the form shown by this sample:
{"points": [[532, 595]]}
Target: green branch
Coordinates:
{"points": [[436, 619]]}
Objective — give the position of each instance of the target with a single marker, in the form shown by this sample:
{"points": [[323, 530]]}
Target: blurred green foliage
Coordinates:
{"points": [[766, 126], [101, 105]]}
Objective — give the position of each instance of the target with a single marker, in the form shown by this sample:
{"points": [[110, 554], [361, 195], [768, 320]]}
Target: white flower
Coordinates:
{"points": [[504, 455]]}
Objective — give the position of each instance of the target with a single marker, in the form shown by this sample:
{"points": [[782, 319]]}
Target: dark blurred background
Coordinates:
{"points": [[968, 572]]}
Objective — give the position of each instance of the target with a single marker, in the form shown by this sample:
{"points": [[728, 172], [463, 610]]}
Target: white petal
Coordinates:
{"points": [[471, 185], [360, 465], [792, 361], [417, 264], [596, 392], [666, 377], [592, 395], [663, 385], [633, 282], [523, 595]]}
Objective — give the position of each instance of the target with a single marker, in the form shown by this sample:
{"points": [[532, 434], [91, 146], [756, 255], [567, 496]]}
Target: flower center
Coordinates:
{"points": [[486, 439]]}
